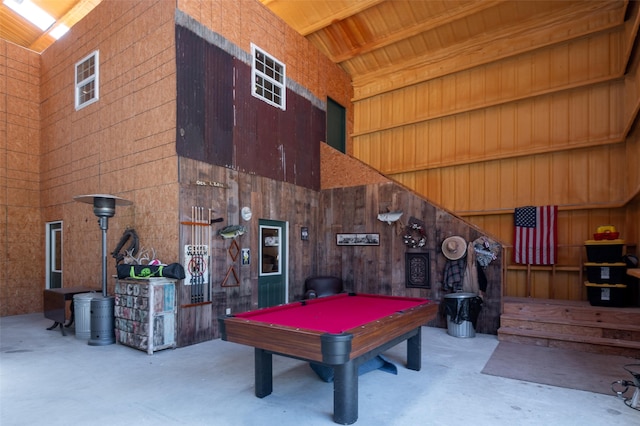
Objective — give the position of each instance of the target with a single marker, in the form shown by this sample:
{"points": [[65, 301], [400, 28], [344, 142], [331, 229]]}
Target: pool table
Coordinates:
{"points": [[341, 331]]}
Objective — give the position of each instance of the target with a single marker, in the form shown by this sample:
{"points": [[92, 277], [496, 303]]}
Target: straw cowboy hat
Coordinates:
{"points": [[454, 247]]}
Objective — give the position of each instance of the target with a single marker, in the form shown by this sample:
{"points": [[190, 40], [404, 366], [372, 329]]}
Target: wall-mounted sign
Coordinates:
{"points": [[210, 183]]}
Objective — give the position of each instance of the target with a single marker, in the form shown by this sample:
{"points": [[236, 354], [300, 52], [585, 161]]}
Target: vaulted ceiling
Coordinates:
{"points": [[390, 42], [18, 30]]}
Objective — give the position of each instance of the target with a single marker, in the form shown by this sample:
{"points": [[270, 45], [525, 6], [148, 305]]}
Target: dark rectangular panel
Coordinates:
{"points": [[336, 125], [218, 85], [221, 123], [190, 94]]}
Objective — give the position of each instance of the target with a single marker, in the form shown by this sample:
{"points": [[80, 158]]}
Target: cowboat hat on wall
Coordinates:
{"points": [[454, 247]]}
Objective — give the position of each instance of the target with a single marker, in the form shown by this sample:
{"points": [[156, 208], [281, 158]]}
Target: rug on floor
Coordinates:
{"points": [[558, 367]]}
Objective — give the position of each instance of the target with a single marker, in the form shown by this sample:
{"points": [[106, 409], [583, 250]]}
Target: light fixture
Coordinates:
{"points": [[102, 318], [31, 12]]}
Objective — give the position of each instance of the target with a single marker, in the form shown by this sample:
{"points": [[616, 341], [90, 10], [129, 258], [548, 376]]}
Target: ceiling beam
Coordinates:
{"points": [[354, 9], [283, 9], [523, 37], [443, 19]]}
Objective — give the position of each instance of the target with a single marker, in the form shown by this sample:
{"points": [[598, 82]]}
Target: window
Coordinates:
{"points": [[87, 80], [268, 78]]}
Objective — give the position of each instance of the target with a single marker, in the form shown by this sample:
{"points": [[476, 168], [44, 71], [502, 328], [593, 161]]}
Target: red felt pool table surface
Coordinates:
{"points": [[334, 314]]}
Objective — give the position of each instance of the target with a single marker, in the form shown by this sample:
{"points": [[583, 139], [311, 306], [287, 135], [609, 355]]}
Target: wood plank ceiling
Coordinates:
{"points": [[385, 44], [18, 30]]}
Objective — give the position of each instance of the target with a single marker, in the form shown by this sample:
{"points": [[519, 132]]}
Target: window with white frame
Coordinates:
{"points": [[87, 80], [268, 78]]}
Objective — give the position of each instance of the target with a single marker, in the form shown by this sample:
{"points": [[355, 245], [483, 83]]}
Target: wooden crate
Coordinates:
{"points": [[145, 313]]}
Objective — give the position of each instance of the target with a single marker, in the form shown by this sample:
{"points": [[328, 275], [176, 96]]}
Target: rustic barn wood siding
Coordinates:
{"points": [[381, 269], [368, 269], [221, 123], [268, 199]]}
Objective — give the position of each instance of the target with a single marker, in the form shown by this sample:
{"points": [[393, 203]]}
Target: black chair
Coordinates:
{"points": [[322, 286]]}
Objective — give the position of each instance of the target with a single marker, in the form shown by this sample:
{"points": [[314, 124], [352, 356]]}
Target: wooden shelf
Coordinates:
{"points": [[565, 268]]}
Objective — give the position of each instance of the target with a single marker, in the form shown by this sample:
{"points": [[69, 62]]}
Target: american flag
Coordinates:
{"points": [[535, 235]]}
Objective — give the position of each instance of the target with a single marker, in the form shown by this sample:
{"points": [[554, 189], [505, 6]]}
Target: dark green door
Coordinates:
{"points": [[272, 280], [336, 125]]}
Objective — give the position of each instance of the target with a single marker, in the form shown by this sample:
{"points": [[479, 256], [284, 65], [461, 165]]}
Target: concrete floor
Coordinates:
{"points": [[46, 378]]}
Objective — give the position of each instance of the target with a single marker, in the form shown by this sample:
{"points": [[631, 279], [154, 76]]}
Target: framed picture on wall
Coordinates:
{"points": [[417, 270], [370, 239]]}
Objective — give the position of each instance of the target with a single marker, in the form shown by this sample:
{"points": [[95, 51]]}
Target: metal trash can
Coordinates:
{"points": [[82, 313], [102, 321], [462, 311]]}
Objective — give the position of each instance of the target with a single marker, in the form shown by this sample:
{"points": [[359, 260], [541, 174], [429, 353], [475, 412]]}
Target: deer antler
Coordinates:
{"points": [[129, 258], [143, 257]]}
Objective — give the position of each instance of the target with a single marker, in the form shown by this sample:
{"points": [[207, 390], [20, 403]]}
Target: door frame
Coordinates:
{"points": [[283, 261], [53, 237]]}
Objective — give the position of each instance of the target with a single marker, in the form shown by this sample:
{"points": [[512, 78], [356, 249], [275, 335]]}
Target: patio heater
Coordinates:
{"points": [[102, 316]]}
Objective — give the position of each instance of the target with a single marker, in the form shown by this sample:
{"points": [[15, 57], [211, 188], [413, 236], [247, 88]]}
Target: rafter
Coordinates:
{"points": [[443, 19], [283, 9], [525, 36]]}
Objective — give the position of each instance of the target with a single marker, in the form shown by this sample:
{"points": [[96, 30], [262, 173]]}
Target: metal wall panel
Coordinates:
{"points": [[221, 123]]}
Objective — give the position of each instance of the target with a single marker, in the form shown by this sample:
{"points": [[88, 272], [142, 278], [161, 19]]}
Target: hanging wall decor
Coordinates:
{"points": [[370, 239], [417, 270], [415, 236], [197, 254]]}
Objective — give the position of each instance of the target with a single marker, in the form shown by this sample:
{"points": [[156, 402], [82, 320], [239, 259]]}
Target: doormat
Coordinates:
{"points": [[558, 367]]}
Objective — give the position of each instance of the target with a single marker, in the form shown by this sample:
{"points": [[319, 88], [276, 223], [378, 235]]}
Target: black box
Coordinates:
{"points": [[606, 273], [613, 295], [605, 251]]}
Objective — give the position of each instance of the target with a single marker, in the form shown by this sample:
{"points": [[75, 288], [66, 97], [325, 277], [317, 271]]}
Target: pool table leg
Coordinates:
{"points": [[263, 373], [414, 351], [345, 393]]}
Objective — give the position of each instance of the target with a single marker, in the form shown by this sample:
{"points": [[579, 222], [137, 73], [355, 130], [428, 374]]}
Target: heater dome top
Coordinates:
{"points": [[104, 205], [90, 199]]}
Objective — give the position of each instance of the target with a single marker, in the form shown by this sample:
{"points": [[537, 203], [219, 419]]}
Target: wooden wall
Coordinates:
{"points": [[21, 224], [381, 269], [547, 126], [123, 144], [268, 199]]}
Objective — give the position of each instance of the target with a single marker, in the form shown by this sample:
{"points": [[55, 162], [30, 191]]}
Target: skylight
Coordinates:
{"points": [[31, 13], [59, 31]]}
